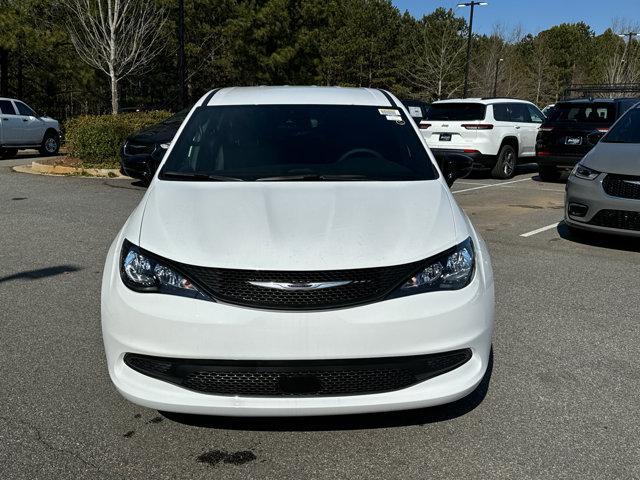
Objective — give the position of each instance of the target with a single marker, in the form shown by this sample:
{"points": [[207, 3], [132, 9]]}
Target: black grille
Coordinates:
{"points": [[620, 186], [298, 378], [139, 148], [622, 219], [366, 285]]}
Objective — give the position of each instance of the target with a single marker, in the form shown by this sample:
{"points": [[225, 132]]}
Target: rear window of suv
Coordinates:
{"points": [[584, 113], [456, 111]]}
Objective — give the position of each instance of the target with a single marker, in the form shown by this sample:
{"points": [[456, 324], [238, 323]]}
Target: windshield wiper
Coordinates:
{"points": [[198, 177], [313, 177]]}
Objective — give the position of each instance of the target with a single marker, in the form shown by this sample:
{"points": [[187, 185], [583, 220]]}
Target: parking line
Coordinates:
{"points": [[540, 230], [492, 185]]}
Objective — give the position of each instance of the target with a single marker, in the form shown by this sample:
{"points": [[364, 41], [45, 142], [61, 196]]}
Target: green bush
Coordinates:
{"points": [[97, 139]]}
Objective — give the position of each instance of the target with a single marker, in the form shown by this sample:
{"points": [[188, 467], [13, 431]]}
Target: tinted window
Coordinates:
{"points": [[501, 112], [253, 142], [587, 112], [519, 112], [456, 111], [536, 115], [627, 130], [6, 107], [24, 110]]}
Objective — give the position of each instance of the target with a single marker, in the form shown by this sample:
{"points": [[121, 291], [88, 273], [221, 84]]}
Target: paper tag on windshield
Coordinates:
{"points": [[388, 111], [415, 112], [396, 118]]}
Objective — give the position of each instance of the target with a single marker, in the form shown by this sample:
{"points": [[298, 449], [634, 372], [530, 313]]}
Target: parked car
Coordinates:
{"points": [[21, 128], [297, 253], [603, 190], [142, 152], [548, 109], [572, 129], [496, 133]]}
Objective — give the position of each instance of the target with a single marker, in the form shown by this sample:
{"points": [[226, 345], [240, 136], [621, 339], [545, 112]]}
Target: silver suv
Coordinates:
{"points": [[21, 127]]}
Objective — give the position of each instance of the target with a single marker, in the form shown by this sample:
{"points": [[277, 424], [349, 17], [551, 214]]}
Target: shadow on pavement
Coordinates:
{"points": [[40, 273], [597, 239], [344, 422], [485, 173]]}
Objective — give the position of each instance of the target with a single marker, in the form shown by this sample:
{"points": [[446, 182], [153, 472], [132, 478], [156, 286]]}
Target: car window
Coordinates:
{"points": [[253, 142], [584, 113], [519, 112], [536, 115], [501, 112], [456, 111], [24, 110], [626, 130], [6, 107]]}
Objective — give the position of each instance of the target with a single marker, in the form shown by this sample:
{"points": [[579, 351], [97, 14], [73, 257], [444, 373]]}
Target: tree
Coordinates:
{"points": [[117, 37]]}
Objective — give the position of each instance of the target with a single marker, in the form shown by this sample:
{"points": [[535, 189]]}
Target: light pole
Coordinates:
{"points": [[495, 81], [471, 4], [627, 49], [182, 66]]}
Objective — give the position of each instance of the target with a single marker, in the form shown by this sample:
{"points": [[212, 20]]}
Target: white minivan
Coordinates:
{"points": [[298, 253], [496, 133]]}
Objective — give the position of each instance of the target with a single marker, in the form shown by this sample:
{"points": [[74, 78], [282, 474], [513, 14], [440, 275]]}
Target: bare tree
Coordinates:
{"points": [[118, 37], [623, 62]]}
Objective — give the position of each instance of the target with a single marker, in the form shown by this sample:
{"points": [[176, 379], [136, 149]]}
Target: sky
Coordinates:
{"points": [[533, 15]]}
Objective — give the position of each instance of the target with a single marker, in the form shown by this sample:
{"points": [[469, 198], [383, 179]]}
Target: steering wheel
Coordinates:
{"points": [[354, 151]]}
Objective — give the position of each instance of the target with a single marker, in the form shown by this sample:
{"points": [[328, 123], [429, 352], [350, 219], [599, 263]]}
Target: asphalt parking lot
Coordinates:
{"points": [[561, 401]]}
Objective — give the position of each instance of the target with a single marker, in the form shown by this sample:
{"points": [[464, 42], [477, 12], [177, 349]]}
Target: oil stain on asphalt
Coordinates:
{"points": [[214, 457]]}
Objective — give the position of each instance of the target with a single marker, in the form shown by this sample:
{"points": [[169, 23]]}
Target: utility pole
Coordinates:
{"points": [[182, 66], [471, 4], [627, 49], [495, 81]]}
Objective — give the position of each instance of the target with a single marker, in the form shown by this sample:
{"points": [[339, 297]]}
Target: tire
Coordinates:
{"points": [[505, 166], [548, 173], [50, 144], [8, 152]]}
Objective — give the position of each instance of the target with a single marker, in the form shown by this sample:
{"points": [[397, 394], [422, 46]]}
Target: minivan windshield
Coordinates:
{"points": [[298, 142], [456, 111], [583, 113], [627, 130]]}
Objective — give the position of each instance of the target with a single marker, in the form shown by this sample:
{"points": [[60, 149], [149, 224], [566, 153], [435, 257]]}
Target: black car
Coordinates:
{"points": [[142, 152], [572, 128]]}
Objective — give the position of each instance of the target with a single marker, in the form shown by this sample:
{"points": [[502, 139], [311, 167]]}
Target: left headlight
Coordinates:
{"points": [[583, 172], [451, 270], [144, 273]]}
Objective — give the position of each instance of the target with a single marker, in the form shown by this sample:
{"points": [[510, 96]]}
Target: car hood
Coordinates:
{"points": [[620, 158], [159, 133], [297, 225]]}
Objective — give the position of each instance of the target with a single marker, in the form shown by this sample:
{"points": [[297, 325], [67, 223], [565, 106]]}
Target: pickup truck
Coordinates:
{"points": [[21, 127]]}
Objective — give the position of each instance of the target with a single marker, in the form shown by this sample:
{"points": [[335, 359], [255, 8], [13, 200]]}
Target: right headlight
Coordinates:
{"points": [[451, 270]]}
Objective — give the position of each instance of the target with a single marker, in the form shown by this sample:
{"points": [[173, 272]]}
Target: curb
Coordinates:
{"points": [[60, 170]]}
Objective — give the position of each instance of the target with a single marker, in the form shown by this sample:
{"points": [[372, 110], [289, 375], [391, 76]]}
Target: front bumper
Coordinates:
{"points": [[591, 194], [181, 328]]}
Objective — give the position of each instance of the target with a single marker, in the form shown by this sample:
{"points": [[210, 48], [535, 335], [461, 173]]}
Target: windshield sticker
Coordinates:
{"points": [[415, 112], [396, 118], [388, 111]]}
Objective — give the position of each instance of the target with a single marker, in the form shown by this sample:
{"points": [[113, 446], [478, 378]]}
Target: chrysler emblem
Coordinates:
{"points": [[293, 286]]}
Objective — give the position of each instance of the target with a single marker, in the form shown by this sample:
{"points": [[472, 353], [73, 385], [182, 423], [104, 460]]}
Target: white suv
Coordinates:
{"points": [[21, 127], [494, 132]]}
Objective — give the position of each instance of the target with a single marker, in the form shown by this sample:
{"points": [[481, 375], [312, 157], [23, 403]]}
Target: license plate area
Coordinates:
{"points": [[573, 141], [445, 137]]}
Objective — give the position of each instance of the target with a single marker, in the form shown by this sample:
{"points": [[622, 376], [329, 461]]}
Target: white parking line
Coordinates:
{"points": [[492, 185], [540, 230]]}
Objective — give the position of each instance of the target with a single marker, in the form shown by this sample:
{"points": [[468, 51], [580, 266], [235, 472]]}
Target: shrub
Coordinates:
{"points": [[97, 139]]}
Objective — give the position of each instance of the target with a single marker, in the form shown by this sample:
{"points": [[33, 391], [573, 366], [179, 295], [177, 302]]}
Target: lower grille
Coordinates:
{"points": [[622, 219], [623, 186], [298, 378]]}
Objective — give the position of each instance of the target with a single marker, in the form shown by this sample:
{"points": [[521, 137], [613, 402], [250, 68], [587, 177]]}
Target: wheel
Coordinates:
{"points": [[506, 164], [548, 173], [50, 144], [8, 152]]}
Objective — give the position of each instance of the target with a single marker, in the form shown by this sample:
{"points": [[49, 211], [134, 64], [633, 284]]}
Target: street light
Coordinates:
{"points": [[182, 64], [495, 81], [627, 48], [471, 4]]}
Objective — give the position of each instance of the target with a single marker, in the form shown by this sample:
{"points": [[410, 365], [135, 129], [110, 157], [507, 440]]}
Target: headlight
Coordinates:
{"points": [[451, 270], [144, 273], [583, 172], [164, 146]]}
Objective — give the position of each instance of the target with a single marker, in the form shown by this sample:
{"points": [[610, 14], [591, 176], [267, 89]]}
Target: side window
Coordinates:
{"points": [[501, 112], [6, 107], [519, 112], [24, 110], [536, 115]]}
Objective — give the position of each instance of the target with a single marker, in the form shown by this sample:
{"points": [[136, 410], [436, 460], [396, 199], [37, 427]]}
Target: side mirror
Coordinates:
{"points": [[454, 166]]}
